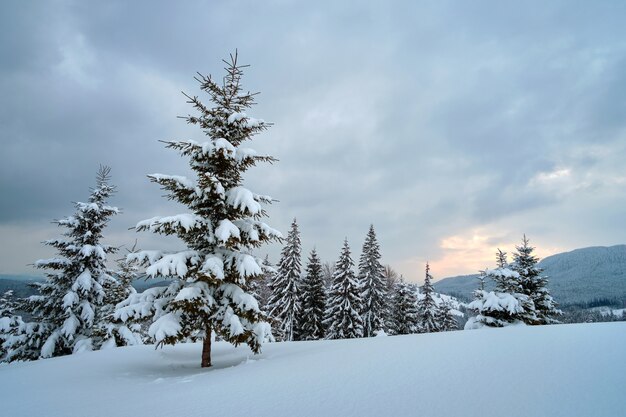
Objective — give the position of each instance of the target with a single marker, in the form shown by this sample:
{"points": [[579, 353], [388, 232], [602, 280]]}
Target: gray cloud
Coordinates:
{"points": [[429, 120]]}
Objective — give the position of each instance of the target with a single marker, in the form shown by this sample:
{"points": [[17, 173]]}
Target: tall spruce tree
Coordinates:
{"points": [[68, 306], [313, 300], [403, 314], [343, 319], [374, 285], [222, 226], [534, 284], [284, 303], [427, 306]]}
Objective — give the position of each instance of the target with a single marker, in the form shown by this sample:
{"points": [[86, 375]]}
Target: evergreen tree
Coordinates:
{"points": [[112, 331], [8, 304], [372, 281], [533, 284], [506, 304], [313, 300], [403, 315], [445, 318], [222, 226], [343, 318], [69, 305], [284, 303], [427, 306], [8, 318]]}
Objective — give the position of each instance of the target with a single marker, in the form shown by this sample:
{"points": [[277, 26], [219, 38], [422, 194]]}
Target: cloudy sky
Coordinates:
{"points": [[453, 127]]}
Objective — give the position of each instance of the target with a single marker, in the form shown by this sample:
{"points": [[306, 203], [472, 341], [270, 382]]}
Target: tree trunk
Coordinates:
{"points": [[206, 348]]}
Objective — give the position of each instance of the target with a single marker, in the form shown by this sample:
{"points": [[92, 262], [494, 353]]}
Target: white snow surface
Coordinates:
{"points": [[183, 181], [167, 325], [243, 199], [186, 221], [225, 230], [562, 370], [497, 301]]}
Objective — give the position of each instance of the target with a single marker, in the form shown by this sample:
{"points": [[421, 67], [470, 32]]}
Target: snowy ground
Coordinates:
{"points": [[565, 370]]}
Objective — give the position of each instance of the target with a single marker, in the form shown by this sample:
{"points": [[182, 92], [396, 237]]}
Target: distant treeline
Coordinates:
{"points": [[596, 302]]}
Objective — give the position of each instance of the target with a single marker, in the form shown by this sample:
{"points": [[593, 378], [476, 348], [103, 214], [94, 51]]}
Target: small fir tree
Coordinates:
{"points": [[8, 304], [445, 318], [403, 315], [284, 303], [427, 306], [113, 331], [506, 304], [343, 318], [372, 281], [70, 302], [313, 300], [223, 225], [8, 318], [534, 284]]}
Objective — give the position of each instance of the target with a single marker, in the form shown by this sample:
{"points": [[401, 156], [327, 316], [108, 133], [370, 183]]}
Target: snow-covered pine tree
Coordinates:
{"points": [[69, 303], [222, 226], [427, 306], [313, 300], [403, 314], [344, 303], [534, 284], [374, 286], [8, 304], [8, 319], [505, 279], [113, 332], [284, 303], [506, 304], [445, 318]]}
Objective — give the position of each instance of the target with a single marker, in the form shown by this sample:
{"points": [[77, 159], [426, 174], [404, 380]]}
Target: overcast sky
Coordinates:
{"points": [[453, 127]]}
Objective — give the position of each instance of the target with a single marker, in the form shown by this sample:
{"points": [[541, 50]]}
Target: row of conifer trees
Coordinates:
{"points": [[303, 306]]}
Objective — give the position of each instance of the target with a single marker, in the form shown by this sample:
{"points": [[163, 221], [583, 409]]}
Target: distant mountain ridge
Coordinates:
{"points": [[578, 277]]}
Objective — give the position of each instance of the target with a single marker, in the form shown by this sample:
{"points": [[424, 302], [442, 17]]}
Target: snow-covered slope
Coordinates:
{"points": [[588, 274], [576, 277], [564, 370]]}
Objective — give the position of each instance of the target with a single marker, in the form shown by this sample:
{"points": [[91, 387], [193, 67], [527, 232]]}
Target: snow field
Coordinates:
{"points": [[561, 370]]}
